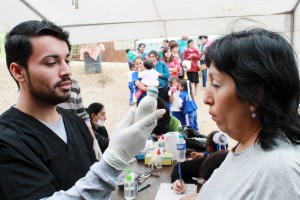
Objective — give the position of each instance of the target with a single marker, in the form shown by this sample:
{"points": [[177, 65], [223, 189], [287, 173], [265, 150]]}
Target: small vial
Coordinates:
{"points": [[129, 186]]}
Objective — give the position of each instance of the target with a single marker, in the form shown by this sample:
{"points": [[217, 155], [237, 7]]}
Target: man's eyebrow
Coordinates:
{"points": [[55, 56]]}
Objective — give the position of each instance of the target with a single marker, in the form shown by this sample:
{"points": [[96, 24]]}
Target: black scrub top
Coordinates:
{"points": [[35, 162]]}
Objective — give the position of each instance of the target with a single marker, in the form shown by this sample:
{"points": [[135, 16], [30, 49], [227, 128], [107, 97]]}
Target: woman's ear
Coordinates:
{"points": [[18, 72]]}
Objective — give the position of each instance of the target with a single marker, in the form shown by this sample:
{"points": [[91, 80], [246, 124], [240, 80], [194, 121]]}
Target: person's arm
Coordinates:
{"points": [[171, 96], [137, 82], [101, 180], [166, 72]]}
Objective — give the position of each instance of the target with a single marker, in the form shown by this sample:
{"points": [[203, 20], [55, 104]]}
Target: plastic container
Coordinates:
{"points": [[161, 143], [159, 159], [171, 143], [92, 66], [181, 148], [129, 186], [147, 105]]}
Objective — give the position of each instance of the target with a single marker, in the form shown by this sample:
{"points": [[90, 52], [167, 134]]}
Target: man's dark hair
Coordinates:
{"points": [[18, 47]]}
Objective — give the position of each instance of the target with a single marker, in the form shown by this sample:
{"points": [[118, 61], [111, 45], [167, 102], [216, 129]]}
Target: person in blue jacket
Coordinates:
{"points": [[164, 76], [188, 105]]}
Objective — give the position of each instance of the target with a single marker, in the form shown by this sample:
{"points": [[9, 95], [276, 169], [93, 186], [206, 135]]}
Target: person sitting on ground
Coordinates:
{"points": [[216, 142], [97, 115]]}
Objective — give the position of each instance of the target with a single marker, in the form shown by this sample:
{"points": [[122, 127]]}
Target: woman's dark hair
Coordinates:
{"points": [[141, 44], [173, 45], [263, 66], [94, 108], [165, 49], [139, 57], [190, 40], [162, 105], [154, 53], [18, 47]]}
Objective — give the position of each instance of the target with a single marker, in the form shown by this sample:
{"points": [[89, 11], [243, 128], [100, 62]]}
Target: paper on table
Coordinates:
{"points": [[165, 192]]}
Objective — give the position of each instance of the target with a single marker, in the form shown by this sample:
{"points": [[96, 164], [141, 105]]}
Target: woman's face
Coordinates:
{"points": [[231, 115], [102, 115], [168, 54], [138, 64], [191, 45], [175, 50], [152, 57], [141, 48]]}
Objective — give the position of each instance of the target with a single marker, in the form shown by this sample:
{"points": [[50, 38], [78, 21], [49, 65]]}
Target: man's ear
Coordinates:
{"points": [[17, 71]]}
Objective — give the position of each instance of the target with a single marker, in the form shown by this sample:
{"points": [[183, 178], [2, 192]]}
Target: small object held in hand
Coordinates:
{"points": [[173, 89]]}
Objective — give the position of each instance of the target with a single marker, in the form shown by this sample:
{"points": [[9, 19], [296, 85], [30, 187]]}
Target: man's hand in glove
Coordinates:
{"points": [[128, 139]]}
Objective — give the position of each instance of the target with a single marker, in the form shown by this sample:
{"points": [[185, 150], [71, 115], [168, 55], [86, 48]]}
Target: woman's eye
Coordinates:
{"points": [[51, 63], [215, 85]]}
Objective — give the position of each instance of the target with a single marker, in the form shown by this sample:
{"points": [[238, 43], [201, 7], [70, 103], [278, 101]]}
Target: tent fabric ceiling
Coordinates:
{"points": [[100, 21]]}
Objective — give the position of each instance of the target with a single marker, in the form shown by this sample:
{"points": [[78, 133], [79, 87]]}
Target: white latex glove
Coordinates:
{"points": [[128, 139], [97, 149]]}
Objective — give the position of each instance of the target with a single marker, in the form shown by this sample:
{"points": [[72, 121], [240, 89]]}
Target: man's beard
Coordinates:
{"points": [[49, 97]]}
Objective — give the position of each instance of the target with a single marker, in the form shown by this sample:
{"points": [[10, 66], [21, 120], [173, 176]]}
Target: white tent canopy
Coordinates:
{"points": [[117, 20]]}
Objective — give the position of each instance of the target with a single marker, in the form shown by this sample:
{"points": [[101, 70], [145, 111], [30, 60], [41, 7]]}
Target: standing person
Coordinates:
{"points": [[193, 55], [132, 69], [140, 51], [183, 44], [75, 105], [138, 85], [174, 50], [148, 76], [97, 115], [253, 95], [164, 75], [175, 100], [165, 43], [173, 64], [46, 151], [188, 105], [202, 48]]}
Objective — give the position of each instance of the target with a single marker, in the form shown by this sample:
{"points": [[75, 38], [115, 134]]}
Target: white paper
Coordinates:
{"points": [[165, 192]]}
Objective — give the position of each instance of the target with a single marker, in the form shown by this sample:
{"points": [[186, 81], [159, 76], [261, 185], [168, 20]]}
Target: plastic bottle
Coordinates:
{"points": [[159, 159], [161, 143], [181, 148], [147, 105], [129, 186]]}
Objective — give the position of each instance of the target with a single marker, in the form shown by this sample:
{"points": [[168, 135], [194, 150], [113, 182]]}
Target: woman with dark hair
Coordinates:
{"points": [[173, 64], [164, 75], [98, 117], [253, 95], [165, 124], [194, 56], [140, 51]]}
